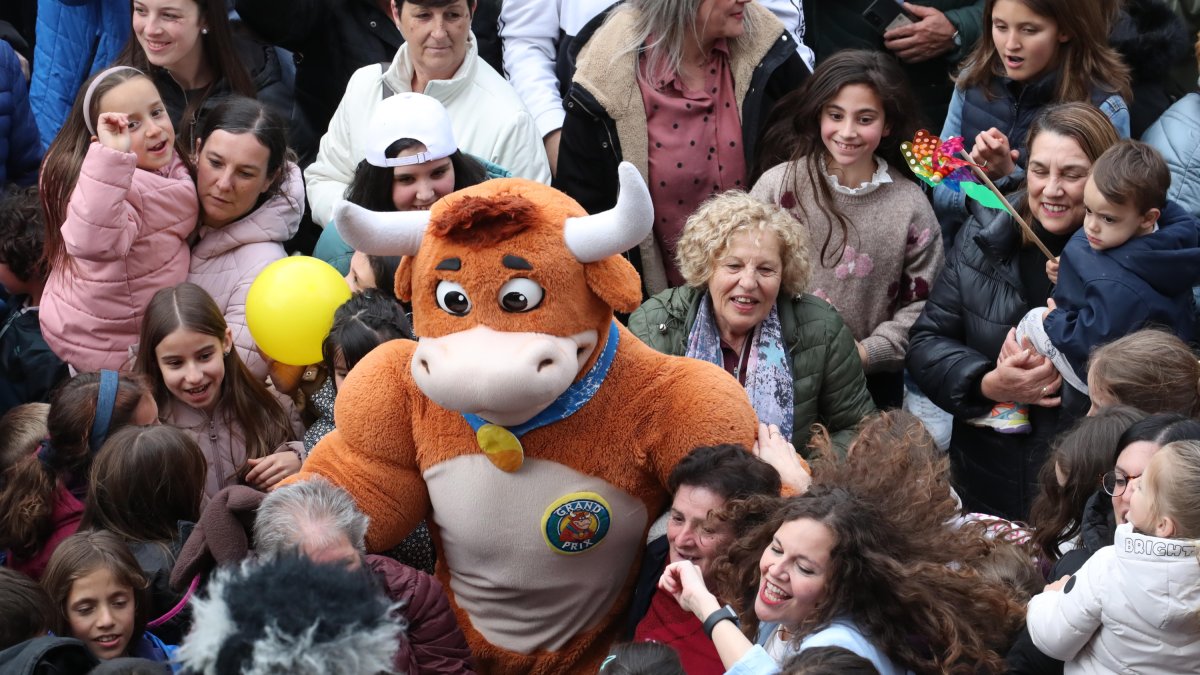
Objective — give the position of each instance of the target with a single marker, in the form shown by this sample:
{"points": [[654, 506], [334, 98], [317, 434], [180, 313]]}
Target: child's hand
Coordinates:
{"points": [[1050, 307], [1058, 585], [862, 353], [265, 472], [112, 130], [1052, 270], [993, 153]]}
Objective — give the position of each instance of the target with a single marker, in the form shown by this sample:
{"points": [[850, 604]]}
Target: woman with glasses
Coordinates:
{"points": [[1106, 509]]}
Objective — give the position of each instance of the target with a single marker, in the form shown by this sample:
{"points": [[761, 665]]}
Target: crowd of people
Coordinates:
{"points": [[978, 427]]}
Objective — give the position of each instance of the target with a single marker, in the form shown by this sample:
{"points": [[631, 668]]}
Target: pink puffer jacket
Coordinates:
{"points": [[126, 235], [225, 261]]}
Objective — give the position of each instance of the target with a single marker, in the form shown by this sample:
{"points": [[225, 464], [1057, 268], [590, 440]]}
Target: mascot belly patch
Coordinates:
{"points": [[545, 537]]}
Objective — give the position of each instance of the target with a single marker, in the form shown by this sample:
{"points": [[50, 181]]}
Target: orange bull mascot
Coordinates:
{"points": [[531, 430]]}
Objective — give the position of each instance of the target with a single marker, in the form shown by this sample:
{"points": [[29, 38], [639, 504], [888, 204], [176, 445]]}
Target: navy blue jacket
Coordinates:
{"points": [[20, 149], [1105, 295]]}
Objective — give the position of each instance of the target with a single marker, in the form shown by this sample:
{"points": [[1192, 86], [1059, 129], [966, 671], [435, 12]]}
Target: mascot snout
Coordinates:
{"points": [[505, 378]]}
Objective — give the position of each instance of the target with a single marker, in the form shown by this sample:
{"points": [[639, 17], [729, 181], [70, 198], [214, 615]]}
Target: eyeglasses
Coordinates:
{"points": [[1115, 482]]}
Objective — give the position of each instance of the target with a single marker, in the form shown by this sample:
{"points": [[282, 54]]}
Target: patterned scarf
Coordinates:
{"points": [[768, 373]]}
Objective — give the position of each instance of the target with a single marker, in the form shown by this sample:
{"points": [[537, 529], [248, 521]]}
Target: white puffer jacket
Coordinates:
{"points": [[225, 261], [1134, 607], [488, 118]]}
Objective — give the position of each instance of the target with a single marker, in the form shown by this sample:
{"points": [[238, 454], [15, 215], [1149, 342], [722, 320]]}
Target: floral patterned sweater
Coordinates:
{"points": [[879, 274]]}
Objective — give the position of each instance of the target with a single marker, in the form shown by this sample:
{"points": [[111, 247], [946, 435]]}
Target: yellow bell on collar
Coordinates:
{"points": [[501, 446]]}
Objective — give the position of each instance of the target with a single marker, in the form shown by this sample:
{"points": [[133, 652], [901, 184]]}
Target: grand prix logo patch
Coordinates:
{"points": [[576, 523]]}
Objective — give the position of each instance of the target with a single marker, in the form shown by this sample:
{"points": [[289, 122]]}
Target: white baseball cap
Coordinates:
{"points": [[409, 115]]}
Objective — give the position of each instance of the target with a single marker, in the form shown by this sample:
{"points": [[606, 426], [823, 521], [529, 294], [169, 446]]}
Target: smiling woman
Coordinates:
{"points": [[190, 49], [251, 200], [744, 308]]}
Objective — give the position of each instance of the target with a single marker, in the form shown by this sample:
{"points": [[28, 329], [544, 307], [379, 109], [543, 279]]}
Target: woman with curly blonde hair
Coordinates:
{"points": [[744, 308]]}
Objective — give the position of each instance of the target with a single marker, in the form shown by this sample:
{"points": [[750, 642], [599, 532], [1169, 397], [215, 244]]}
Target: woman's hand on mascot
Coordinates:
{"points": [[777, 450]]}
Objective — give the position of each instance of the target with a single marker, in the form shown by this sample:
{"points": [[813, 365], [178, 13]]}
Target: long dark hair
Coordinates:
{"points": [[219, 53], [245, 398], [27, 485], [371, 187], [794, 132], [64, 159], [1085, 60], [362, 323], [244, 115], [143, 482], [1084, 453], [924, 614]]}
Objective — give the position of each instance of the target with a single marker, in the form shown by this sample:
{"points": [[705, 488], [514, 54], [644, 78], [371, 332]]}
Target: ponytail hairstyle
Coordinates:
{"points": [[28, 483], [1085, 61], [371, 186], [362, 323], [795, 126], [239, 115], [88, 551], [1151, 370], [221, 55], [243, 398], [143, 482], [64, 158], [1083, 454]]}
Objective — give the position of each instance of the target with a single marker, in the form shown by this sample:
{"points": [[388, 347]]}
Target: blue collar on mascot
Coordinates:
{"points": [[570, 401]]}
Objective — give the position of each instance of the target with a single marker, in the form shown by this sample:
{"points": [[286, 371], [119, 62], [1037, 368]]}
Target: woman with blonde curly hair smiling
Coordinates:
{"points": [[746, 264]]}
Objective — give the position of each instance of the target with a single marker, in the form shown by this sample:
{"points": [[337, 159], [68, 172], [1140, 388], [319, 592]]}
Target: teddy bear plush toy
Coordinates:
{"points": [[532, 430]]}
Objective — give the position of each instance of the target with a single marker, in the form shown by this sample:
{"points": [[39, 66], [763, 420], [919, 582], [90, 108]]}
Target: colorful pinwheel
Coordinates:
{"points": [[934, 161]]}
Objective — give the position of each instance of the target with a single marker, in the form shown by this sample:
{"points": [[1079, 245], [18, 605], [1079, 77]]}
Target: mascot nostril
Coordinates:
{"points": [[569, 467]]}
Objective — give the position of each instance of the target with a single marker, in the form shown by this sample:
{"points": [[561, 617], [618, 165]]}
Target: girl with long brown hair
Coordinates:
{"points": [[43, 480], [146, 487], [202, 386], [875, 240], [1032, 53], [119, 205]]}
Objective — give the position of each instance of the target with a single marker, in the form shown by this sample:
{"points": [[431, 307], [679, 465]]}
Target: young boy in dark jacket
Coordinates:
{"points": [[1131, 265], [28, 369]]}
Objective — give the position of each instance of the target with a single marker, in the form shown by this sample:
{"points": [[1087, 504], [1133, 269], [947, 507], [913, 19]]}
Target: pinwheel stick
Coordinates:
{"points": [[1029, 233]]}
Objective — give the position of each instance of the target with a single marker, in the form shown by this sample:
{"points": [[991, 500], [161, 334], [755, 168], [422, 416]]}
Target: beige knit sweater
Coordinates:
{"points": [[892, 255]]}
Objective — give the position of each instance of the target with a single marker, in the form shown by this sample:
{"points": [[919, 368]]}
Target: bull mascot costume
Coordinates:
{"points": [[532, 431]]}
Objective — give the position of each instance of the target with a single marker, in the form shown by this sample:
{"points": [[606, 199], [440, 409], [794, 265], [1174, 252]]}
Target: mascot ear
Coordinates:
{"points": [[615, 281], [403, 280]]}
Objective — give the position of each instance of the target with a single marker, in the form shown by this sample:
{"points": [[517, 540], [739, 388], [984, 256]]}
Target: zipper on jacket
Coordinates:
{"points": [[607, 145]]}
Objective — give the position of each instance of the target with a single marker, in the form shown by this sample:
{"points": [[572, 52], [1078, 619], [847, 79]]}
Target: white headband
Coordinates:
{"points": [[87, 97]]}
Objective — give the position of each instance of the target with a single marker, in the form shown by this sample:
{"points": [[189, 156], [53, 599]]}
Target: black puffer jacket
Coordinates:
{"points": [[1153, 39], [979, 296]]}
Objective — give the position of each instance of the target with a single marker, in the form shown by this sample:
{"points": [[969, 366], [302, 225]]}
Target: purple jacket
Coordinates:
{"points": [[433, 643], [225, 261], [126, 236]]}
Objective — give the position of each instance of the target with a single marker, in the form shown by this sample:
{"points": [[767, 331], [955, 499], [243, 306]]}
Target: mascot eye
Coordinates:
{"points": [[453, 298], [520, 295]]}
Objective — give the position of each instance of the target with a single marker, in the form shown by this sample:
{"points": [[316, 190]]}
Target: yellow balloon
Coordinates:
{"points": [[290, 306]]}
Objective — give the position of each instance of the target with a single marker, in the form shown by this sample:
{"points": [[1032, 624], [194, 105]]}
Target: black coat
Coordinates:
{"points": [[29, 370], [1153, 40], [955, 342]]}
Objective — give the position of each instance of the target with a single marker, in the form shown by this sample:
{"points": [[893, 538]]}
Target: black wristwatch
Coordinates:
{"points": [[726, 613]]}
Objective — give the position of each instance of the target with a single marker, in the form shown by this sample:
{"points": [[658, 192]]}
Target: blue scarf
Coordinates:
{"points": [[570, 401], [768, 374]]}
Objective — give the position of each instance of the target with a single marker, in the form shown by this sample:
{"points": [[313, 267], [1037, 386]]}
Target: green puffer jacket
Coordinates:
{"points": [[826, 371]]}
